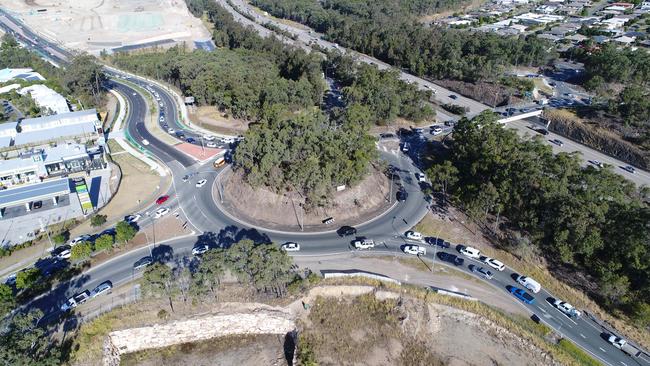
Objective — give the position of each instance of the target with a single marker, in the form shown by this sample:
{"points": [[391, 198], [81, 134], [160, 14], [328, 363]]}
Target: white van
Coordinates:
{"points": [[470, 252], [529, 283]]}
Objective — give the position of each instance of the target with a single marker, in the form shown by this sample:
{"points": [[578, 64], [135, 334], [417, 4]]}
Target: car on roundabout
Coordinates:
{"points": [[346, 231], [290, 247], [161, 212], [162, 199]]}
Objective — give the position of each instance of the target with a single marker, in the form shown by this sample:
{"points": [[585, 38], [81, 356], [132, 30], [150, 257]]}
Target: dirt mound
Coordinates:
{"points": [[351, 206]]}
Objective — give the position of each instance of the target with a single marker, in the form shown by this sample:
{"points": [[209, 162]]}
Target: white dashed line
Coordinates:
{"points": [[602, 349], [624, 364], [582, 335], [541, 309]]}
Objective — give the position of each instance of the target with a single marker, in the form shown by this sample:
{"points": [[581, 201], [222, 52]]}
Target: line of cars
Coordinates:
{"points": [[83, 296]]}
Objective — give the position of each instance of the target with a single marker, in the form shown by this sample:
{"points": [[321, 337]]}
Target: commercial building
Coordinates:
{"points": [[79, 126], [47, 98], [22, 74], [37, 164]]}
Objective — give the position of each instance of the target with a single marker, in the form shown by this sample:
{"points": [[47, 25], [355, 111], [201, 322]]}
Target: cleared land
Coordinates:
{"points": [[94, 25]]}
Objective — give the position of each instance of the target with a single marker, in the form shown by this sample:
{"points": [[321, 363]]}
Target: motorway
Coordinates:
{"points": [[217, 228]]}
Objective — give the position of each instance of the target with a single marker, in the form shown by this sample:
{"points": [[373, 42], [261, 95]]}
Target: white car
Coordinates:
{"points": [[101, 288], [208, 137], [211, 144], [201, 183], [415, 250], [132, 218], [64, 254], [145, 142], [171, 130], [436, 130], [290, 247], [79, 239], [413, 235], [161, 212], [470, 252], [162, 118], [363, 243], [493, 263], [198, 250], [567, 308], [228, 140], [75, 300], [420, 177], [616, 341]]}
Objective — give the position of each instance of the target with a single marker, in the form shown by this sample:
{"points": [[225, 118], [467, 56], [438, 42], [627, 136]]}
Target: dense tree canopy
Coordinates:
{"points": [[390, 31], [590, 218], [307, 153]]}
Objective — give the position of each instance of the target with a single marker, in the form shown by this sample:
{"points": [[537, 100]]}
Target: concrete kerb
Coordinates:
{"points": [[162, 171], [225, 212], [184, 117]]}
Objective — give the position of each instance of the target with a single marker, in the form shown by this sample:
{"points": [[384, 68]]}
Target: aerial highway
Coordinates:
{"points": [[217, 228]]}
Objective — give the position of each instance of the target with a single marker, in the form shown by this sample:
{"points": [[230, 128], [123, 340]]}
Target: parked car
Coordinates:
{"points": [[438, 242], [162, 199], [415, 250], [79, 239], [62, 252], [521, 294], [142, 262], [470, 252], [451, 258], [208, 137], [363, 243], [161, 212], [75, 301], [201, 183], [36, 205], [200, 249], [480, 271], [162, 118], [413, 235], [493, 263], [436, 130], [290, 247], [101, 288], [346, 231], [210, 144], [190, 140], [420, 177]]}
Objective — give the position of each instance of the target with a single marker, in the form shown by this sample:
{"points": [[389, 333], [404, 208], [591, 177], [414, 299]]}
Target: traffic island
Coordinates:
{"points": [[367, 200]]}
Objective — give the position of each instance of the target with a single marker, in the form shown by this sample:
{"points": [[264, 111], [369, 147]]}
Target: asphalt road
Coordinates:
{"points": [[219, 229]]}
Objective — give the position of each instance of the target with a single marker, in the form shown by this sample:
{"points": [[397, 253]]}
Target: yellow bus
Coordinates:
{"points": [[219, 162]]}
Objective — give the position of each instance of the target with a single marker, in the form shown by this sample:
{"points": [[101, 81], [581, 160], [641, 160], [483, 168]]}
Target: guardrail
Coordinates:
{"points": [[374, 276]]}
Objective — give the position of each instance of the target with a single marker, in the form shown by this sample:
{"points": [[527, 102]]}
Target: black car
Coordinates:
{"points": [[346, 231], [402, 196], [446, 257], [543, 131], [191, 140], [36, 205]]}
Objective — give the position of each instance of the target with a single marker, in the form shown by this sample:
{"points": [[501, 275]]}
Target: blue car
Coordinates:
{"points": [[522, 295]]}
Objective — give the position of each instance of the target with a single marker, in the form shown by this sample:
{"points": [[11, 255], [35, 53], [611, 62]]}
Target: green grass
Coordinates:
{"points": [[578, 354]]}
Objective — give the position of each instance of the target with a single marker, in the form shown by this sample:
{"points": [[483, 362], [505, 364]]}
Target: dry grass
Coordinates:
{"points": [[114, 146], [538, 271]]}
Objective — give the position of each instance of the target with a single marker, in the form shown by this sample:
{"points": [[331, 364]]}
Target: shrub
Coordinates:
{"points": [[97, 220]]}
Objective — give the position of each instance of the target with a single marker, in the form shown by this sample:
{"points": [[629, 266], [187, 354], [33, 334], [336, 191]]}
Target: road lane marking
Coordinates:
{"points": [[541, 309], [582, 335], [601, 348], [624, 364]]}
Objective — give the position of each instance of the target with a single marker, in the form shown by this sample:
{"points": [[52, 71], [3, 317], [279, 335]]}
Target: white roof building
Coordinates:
{"points": [[47, 98], [23, 74], [625, 40], [58, 127], [8, 88]]}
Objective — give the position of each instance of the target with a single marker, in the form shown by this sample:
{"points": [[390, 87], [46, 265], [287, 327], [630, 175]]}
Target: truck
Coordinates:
{"points": [[75, 300], [622, 344]]}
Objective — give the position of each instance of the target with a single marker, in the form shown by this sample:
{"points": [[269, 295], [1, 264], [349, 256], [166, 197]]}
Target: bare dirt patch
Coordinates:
{"points": [[210, 118], [94, 25], [354, 205], [484, 92], [226, 351]]}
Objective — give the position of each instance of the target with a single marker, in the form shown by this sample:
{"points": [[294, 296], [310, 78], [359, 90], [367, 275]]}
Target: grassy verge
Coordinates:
{"points": [[577, 353], [114, 146]]}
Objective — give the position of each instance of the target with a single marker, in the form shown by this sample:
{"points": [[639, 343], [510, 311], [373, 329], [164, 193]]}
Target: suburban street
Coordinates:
{"points": [[217, 228]]}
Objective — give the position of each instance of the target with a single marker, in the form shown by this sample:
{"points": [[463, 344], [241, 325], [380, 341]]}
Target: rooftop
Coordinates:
{"points": [[47, 98], [15, 196], [23, 74]]}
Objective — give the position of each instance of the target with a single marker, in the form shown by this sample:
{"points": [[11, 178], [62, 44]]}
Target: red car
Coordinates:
{"points": [[162, 199]]}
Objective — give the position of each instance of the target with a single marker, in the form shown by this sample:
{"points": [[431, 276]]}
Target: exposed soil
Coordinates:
{"points": [[354, 205], [209, 117], [485, 93], [225, 351]]}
